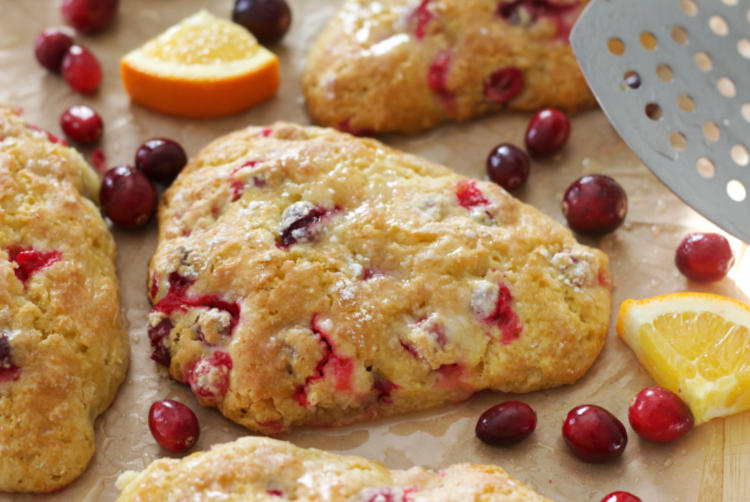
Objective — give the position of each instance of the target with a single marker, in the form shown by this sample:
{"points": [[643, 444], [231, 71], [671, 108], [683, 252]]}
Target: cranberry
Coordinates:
{"points": [[50, 48], [506, 424], [659, 415], [9, 371], [160, 159], [704, 257], [29, 261], [469, 195], [209, 377], [508, 166], [300, 224], [82, 124], [595, 205], [547, 133], [81, 70], [593, 434], [173, 425], [620, 497], [503, 84], [127, 197], [89, 16], [422, 16], [268, 20]]}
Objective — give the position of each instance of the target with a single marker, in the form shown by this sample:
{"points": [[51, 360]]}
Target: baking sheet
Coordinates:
{"points": [[641, 252]]}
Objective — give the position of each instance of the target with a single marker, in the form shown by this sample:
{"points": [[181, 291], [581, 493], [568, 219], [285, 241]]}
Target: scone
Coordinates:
{"points": [[260, 469], [63, 349], [307, 277], [403, 66]]}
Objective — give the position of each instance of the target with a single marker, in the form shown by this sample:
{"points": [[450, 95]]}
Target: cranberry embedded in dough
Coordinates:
{"points": [[209, 378], [9, 371], [30, 260]]}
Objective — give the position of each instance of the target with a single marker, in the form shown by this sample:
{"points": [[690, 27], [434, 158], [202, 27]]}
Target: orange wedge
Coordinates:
{"points": [[695, 344], [201, 67]]}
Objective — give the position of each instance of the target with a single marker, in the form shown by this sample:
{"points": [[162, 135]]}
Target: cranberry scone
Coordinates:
{"points": [[63, 348], [307, 277], [262, 469], [403, 66]]}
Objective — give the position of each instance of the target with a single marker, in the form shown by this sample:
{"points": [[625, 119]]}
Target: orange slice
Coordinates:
{"points": [[695, 344], [202, 67]]}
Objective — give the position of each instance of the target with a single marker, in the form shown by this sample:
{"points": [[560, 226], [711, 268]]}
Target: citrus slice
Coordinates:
{"points": [[201, 67], [695, 344]]}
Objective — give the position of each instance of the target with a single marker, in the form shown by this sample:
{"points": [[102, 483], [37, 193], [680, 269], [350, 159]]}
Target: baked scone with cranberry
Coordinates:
{"points": [[63, 348], [261, 469], [403, 66], [307, 277]]}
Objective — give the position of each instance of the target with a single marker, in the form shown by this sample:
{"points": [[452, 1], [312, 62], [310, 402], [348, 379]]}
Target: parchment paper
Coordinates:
{"points": [[642, 254]]}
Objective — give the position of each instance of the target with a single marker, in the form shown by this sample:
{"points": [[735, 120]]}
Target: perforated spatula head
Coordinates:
{"points": [[673, 76]]}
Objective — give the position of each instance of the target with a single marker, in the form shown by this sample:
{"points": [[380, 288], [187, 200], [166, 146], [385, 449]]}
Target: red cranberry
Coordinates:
{"points": [[173, 425], [704, 257], [160, 159], [547, 133], [268, 20], [50, 48], [659, 415], [89, 16], [29, 261], [81, 70], [82, 124], [595, 205], [127, 197], [508, 166], [593, 434], [506, 424], [503, 84], [621, 497], [300, 222]]}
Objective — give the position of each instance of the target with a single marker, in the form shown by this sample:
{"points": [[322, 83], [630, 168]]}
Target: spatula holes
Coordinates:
{"points": [[711, 132], [632, 79], [678, 141], [736, 191], [740, 155], [664, 73], [648, 41], [688, 7], [743, 46], [653, 111], [615, 46], [686, 103], [726, 87], [718, 25], [746, 111], [702, 61], [679, 35], [706, 167]]}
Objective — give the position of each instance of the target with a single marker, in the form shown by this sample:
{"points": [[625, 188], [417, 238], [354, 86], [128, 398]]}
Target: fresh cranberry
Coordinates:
{"points": [[127, 197], [81, 70], [82, 124], [29, 261], [506, 424], [173, 425], [593, 434], [50, 48], [621, 497], [89, 16], [704, 257], [508, 166], [9, 371], [547, 133], [659, 415], [160, 159], [469, 195], [209, 377], [595, 205], [268, 20], [503, 84]]}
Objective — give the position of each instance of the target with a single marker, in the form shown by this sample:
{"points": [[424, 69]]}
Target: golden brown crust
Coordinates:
{"points": [[259, 469], [398, 298], [65, 349], [370, 71]]}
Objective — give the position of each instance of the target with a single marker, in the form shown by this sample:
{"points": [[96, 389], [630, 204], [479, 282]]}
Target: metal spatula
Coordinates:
{"points": [[673, 76]]}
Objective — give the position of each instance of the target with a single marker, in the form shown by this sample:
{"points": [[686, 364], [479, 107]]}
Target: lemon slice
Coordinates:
{"points": [[696, 345], [201, 67]]}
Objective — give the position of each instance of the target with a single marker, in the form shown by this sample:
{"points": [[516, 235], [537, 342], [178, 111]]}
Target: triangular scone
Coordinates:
{"points": [[404, 66], [261, 469], [307, 277], [63, 348]]}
